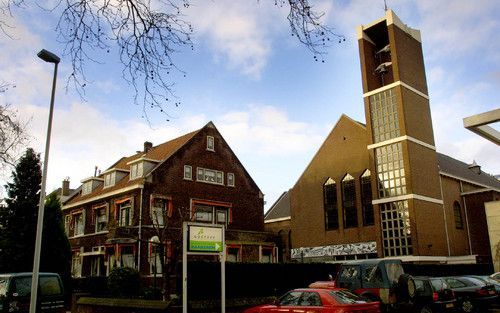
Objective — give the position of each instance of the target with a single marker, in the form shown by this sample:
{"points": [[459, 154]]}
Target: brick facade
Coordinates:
{"points": [[219, 190]]}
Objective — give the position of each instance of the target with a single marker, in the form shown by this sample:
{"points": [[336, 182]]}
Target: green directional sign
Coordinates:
{"points": [[205, 239]]}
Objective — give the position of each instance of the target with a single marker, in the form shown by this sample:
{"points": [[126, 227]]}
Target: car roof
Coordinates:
{"points": [[371, 261], [24, 274]]}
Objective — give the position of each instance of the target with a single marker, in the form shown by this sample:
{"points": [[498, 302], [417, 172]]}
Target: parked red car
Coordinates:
{"points": [[313, 300]]}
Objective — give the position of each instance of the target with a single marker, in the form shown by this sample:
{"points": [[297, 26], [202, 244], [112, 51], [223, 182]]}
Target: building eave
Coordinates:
{"points": [[102, 196]]}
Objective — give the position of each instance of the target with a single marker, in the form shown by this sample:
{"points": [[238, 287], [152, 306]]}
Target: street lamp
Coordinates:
{"points": [[51, 58]]}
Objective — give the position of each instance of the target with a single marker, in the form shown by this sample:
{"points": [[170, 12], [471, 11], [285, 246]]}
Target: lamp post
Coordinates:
{"points": [[51, 58]]}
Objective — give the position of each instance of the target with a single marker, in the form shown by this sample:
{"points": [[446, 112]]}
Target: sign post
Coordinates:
{"points": [[203, 239]]}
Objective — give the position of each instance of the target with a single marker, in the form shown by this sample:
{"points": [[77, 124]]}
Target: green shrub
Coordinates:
{"points": [[124, 282]]}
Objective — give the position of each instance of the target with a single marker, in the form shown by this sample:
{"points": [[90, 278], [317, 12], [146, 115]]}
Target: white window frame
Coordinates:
{"points": [[211, 214], [157, 211], [78, 231], [96, 218], [204, 175], [188, 172], [86, 188], [136, 170], [230, 179], [76, 264], [210, 143], [67, 224], [121, 207], [109, 179], [154, 254]]}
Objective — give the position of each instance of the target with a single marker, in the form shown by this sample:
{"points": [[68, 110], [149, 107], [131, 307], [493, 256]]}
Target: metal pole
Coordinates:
{"points": [[184, 267], [41, 209], [223, 273]]}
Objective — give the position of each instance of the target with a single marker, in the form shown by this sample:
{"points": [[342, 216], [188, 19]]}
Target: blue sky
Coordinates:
{"points": [[265, 93]]}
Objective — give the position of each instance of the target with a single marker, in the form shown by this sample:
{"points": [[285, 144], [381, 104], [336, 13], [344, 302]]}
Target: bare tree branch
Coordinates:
{"points": [[147, 34], [12, 132]]}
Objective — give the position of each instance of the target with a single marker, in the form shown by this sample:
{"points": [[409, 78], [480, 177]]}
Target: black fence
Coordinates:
{"points": [[247, 280]]}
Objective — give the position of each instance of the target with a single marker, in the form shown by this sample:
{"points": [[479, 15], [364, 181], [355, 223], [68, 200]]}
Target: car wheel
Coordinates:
{"points": [[467, 306], [406, 286], [426, 309]]}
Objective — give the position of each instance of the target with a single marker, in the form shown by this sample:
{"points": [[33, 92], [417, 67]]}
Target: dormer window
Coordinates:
{"points": [[109, 179], [136, 170], [210, 143], [87, 188]]}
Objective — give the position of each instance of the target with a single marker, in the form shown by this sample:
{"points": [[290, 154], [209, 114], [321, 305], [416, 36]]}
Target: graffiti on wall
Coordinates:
{"points": [[334, 250]]}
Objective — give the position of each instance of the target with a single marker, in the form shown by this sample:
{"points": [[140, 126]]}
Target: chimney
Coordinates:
{"points": [[65, 187], [475, 167], [147, 146]]}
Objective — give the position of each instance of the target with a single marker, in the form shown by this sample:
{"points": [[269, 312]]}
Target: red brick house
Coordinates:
{"points": [[123, 215]]}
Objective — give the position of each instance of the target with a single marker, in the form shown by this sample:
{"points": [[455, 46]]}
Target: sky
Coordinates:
{"points": [[271, 101]]}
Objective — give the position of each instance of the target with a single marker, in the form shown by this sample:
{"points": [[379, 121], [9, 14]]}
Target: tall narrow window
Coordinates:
{"points": [[161, 209], [366, 199], [155, 264], [101, 218], [457, 212], [330, 204], [125, 211], [349, 202], [210, 143], [188, 172]]}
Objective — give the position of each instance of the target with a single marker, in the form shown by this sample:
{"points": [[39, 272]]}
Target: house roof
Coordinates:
{"points": [[460, 170], [280, 209], [160, 153]]}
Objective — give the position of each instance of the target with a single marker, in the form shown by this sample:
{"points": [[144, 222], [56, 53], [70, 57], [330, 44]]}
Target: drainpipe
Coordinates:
{"points": [[140, 233], [466, 218], [444, 216]]}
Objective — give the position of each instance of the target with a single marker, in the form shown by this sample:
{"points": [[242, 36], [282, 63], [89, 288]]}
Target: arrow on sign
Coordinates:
{"points": [[217, 247]]}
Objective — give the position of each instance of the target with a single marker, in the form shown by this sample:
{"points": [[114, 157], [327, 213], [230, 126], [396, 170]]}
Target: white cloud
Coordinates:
{"points": [[239, 32]]}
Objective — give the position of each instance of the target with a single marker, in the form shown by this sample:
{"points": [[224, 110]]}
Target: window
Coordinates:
{"points": [[109, 179], [136, 170], [457, 212], [78, 224], [330, 204], [67, 223], [266, 255], [230, 179], [101, 218], [96, 265], [390, 170], [86, 188], [210, 143], [49, 286], [155, 264], [396, 232], [127, 256], [210, 176], [291, 298], [76, 264], [21, 286], [349, 202], [188, 172], [125, 213], [160, 210], [212, 214], [366, 199], [233, 254], [384, 116], [310, 299]]}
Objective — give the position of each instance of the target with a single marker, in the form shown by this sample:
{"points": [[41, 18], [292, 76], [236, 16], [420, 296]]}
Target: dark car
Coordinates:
{"points": [[377, 280], [318, 300], [472, 294], [15, 293], [489, 281], [433, 295]]}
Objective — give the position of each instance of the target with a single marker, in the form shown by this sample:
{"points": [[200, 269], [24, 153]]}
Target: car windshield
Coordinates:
{"points": [[3, 286], [346, 297], [438, 284], [476, 281], [49, 286], [22, 286], [394, 270]]}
